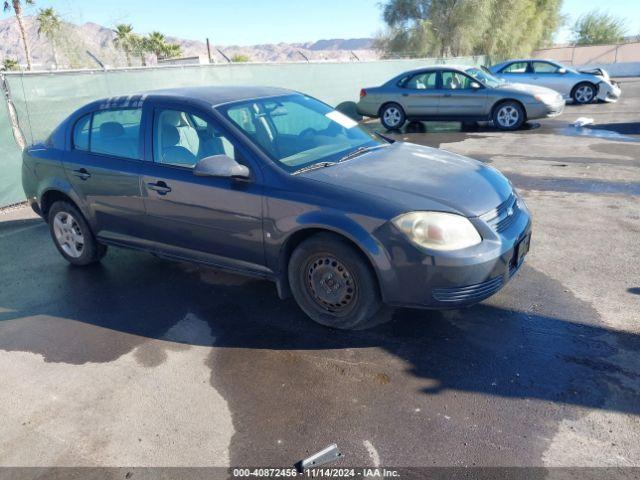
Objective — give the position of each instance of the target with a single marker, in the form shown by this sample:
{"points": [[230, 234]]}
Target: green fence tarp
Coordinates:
{"points": [[42, 100], [10, 161]]}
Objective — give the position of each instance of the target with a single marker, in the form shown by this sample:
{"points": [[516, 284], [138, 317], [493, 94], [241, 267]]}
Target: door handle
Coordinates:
{"points": [[82, 173], [405, 94], [159, 187], [447, 94]]}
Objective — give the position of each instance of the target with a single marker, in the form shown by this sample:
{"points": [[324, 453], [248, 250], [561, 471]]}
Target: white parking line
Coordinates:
{"points": [[373, 453]]}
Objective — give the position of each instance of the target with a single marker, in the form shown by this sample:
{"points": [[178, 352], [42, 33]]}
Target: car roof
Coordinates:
{"points": [[209, 95], [217, 95]]}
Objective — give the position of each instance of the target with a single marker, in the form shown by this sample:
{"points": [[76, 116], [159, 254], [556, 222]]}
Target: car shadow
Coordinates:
{"points": [[533, 340]]}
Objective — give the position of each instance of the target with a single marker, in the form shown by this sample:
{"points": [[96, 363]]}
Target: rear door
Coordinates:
{"points": [[459, 99], [211, 219], [103, 166], [420, 96]]}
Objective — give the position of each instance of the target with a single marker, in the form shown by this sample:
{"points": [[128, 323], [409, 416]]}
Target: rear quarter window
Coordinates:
{"points": [[81, 133]]}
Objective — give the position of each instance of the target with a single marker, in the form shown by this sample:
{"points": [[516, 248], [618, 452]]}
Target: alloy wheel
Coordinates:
{"points": [[584, 94], [392, 116], [68, 234], [508, 116]]}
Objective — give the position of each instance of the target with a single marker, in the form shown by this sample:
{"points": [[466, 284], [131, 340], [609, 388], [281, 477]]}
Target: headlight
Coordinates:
{"points": [[546, 97], [437, 230]]}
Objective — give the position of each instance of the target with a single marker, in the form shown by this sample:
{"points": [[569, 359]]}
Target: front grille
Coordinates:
{"points": [[501, 217], [476, 292]]}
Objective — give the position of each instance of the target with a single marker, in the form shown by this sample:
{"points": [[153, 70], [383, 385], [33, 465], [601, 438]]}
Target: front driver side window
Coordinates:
{"points": [[182, 139], [455, 81]]}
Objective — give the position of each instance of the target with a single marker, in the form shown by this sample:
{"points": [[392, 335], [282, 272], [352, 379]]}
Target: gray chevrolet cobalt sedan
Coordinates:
{"points": [[275, 184], [457, 93]]}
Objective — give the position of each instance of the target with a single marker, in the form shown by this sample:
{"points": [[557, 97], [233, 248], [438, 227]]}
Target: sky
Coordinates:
{"points": [[248, 22]]}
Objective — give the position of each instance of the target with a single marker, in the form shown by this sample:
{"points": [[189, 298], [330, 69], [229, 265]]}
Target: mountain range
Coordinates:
{"points": [[73, 41]]}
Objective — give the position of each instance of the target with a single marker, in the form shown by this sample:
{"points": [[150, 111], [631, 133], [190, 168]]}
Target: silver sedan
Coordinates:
{"points": [[457, 93], [581, 86]]}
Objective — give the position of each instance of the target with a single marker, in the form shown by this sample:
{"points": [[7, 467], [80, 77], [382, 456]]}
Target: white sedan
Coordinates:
{"points": [[581, 86]]}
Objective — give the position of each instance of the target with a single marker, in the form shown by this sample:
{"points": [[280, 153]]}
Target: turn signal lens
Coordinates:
{"points": [[363, 93]]}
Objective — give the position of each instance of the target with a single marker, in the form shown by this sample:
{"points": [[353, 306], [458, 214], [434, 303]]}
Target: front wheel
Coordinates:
{"points": [[392, 116], [72, 236], [584, 93], [334, 285], [508, 116]]}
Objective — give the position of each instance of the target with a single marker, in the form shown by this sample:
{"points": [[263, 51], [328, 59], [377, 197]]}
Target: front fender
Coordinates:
{"points": [[353, 227]]}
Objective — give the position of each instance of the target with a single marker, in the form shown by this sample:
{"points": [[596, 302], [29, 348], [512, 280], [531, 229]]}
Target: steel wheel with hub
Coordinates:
{"points": [[508, 116], [334, 283], [72, 235], [392, 116]]}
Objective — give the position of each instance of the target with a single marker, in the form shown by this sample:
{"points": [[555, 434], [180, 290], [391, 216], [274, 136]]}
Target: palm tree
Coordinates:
{"points": [[10, 64], [17, 9], [172, 50], [156, 43], [139, 48], [125, 40], [49, 25]]}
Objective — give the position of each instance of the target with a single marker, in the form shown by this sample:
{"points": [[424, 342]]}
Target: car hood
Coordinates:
{"points": [[415, 177], [600, 73], [520, 88]]}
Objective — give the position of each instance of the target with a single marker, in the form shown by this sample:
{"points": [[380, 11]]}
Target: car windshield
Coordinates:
{"points": [[297, 131], [484, 77]]}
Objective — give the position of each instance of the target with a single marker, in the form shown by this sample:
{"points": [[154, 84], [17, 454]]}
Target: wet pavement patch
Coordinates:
{"points": [[574, 185]]}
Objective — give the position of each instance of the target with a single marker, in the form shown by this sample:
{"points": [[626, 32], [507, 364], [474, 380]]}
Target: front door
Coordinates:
{"points": [[216, 220], [459, 99], [548, 75], [103, 166]]}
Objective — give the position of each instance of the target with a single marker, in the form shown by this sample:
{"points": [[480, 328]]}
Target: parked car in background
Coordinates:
{"points": [[456, 93], [581, 86], [275, 184]]}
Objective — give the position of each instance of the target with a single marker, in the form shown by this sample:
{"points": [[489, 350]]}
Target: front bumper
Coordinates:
{"points": [[456, 279], [544, 110], [609, 92]]}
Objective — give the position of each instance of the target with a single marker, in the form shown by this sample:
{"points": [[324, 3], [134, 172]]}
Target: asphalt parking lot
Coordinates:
{"points": [[144, 362]]}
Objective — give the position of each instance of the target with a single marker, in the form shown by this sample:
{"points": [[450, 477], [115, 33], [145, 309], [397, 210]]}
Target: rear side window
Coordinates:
{"points": [[116, 132], [516, 67], [81, 133], [110, 132], [422, 81], [544, 67]]}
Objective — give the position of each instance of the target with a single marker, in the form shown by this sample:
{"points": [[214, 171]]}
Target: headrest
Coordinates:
{"points": [[170, 136], [173, 118], [111, 130]]}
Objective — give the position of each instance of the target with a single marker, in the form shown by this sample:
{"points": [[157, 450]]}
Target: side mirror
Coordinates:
{"points": [[476, 86], [562, 71], [221, 166]]}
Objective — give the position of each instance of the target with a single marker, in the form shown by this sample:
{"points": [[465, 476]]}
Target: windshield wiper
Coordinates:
{"points": [[314, 166], [359, 151]]}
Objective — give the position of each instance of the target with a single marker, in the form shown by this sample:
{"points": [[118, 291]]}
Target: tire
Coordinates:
{"points": [[334, 284], [392, 116], [72, 236], [508, 115], [584, 93]]}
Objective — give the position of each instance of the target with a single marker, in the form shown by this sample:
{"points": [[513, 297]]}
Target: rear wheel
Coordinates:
{"points": [[508, 115], [583, 93], [392, 116], [334, 285], [72, 236]]}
